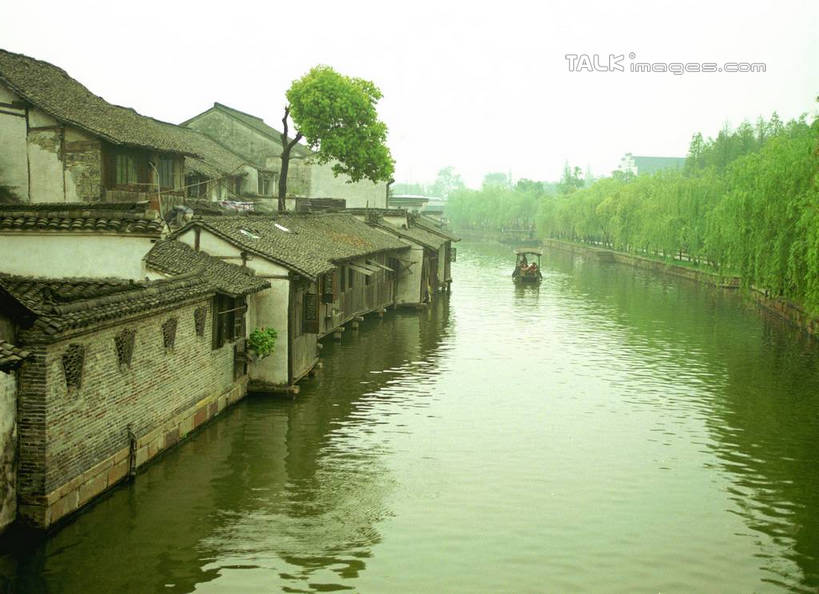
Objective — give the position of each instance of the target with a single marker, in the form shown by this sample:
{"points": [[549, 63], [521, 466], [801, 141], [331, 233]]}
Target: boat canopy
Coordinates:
{"points": [[528, 251]]}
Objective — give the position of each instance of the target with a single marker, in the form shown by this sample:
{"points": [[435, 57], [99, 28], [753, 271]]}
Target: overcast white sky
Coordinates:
{"points": [[480, 87]]}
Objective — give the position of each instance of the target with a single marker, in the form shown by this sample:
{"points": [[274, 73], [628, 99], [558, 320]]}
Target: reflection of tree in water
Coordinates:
{"points": [[764, 417], [325, 480]]}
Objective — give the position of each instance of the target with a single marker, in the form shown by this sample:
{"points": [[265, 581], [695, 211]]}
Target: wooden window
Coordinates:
{"points": [[125, 169], [328, 287], [166, 172], [310, 313], [124, 343], [192, 186], [454, 252], [228, 319], [350, 276], [342, 273]]}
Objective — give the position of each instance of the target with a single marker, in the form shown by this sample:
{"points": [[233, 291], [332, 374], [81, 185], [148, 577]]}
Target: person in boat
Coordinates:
{"points": [[523, 264]]}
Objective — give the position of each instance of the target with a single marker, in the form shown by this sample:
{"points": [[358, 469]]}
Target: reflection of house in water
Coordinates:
{"points": [[292, 485]]}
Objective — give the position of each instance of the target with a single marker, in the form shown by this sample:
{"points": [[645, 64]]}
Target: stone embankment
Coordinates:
{"points": [[783, 308]]}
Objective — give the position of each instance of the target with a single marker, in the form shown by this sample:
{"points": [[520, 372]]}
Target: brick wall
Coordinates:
{"points": [[83, 170], [8, 448], [74, 443]]}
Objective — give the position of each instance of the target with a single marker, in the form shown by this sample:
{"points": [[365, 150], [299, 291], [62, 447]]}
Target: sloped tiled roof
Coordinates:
{"points": [[431, 226], [63, 304], [10, 355], [51, 89], [309, 244], [415, 234], [175, 257], [108, 218], [216, 158]]}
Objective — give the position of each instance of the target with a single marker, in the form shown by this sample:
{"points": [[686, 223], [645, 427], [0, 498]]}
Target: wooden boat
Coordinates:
{"points": [[527, 271]]}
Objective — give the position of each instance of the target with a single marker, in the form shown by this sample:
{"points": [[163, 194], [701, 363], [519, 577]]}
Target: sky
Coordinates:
{"points": [[482, 87]]}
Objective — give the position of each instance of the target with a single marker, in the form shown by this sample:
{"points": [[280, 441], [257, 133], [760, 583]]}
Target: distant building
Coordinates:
{"points": [[638, 165], [260, 144], [411, 202]]}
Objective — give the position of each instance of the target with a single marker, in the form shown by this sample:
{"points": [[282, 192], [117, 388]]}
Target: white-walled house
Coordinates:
{"points": [[447, 253], [426, 268], [300, 255], [77, 240], [61, 143]]}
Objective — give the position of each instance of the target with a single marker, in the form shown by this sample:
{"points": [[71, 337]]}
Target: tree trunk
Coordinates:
{"points": [[283, 176], [287, 147]]}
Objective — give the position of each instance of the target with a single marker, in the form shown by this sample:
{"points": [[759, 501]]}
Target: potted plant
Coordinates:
{"points": [[261, 343]]}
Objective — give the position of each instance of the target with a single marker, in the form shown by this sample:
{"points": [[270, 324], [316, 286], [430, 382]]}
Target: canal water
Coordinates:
{"points": [[608, 431]]}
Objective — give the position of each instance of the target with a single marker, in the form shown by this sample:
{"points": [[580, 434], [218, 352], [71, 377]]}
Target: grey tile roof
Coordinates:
{"points": [[175, 257], [63, 304], [218, 159], [10, 355], [51, 89], [415, 234], [434, 227], [107, 218], [309, 244]]}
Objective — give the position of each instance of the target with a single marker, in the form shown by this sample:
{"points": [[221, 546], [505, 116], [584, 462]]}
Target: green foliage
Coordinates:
{"points": [[262, 341], [571, 181], [445, 183], [496, 206], [337, 117], [746, 204]]}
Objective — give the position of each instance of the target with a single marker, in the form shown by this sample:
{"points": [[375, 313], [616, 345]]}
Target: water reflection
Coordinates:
{"points": [[277, 494], [609, 430], [761, 405]]}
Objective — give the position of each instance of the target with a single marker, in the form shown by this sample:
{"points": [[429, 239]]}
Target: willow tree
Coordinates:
{"points": [[336, 116]]}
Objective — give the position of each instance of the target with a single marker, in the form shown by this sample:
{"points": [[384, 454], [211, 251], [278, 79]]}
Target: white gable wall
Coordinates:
{"points": [[13, 160], [58, 255], [269, 307]]}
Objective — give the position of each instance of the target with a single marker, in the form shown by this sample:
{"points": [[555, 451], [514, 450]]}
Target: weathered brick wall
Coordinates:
{"points": [[91, 423], [83, 170], [8, 448], [74, 442], [31, 418]]}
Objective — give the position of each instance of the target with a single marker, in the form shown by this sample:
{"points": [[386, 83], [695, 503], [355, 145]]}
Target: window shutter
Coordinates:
{"points": [[310, 313]]}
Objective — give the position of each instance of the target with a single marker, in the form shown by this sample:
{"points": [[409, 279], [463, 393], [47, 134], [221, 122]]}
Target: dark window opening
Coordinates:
{"points": [[73, 362], [124, 343], [310, 313], [169, 333], [166, 172], [125, 169], [228, 319], [199, 316]]}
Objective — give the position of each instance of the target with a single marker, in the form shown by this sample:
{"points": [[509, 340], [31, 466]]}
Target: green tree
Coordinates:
{"points": [[336, 115], [571, 181], [447, 182]]}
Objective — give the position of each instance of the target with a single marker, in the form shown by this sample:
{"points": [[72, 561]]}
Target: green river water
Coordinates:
{"points": [[609, 431]]}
